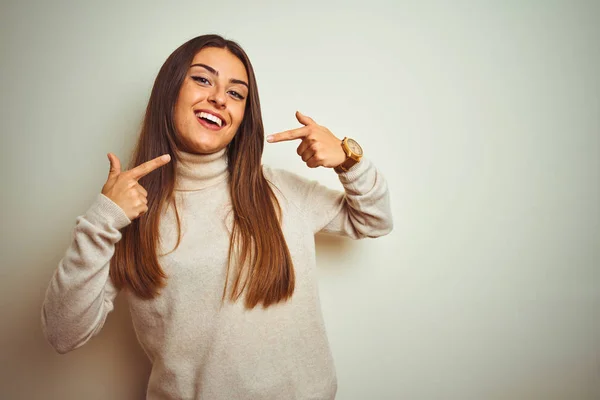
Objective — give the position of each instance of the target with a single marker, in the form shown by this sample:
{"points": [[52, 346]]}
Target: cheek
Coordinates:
{"points": [[239, 114], [182, 120], [177, 116]]}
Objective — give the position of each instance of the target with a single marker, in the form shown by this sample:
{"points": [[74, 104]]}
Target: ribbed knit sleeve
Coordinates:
{"points": [[80, 294], [361, 210]]}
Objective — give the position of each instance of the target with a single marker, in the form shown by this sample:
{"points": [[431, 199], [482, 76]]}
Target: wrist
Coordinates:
{"points": [[353, 153]]}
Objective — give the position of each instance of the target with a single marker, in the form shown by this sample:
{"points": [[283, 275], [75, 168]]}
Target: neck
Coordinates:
{"points": [[199, 171]]}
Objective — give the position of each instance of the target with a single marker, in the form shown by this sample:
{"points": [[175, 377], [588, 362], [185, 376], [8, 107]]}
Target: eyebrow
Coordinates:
{"points": [[216, 73]]}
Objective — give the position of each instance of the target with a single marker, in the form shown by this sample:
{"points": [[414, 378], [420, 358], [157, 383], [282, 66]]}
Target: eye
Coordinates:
{"points": [[201, 79], [236, 95]]}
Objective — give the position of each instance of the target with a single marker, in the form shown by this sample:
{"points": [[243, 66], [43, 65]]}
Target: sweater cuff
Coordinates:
{"points": [[105, 211], [355, 171]]}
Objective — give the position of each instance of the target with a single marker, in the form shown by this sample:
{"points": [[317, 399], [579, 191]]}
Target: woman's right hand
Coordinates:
{"points": [[123, 187]]}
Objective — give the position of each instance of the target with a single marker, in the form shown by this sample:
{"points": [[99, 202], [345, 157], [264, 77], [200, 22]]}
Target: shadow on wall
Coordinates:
{"points": [[333, 250], [31, 369]]}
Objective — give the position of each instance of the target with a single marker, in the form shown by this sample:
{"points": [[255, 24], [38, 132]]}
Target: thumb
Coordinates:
{"points": [[304, 120], [115, 166]]}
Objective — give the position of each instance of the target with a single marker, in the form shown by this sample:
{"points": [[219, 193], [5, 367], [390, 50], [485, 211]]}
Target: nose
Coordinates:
{"points": [[217, 97]]}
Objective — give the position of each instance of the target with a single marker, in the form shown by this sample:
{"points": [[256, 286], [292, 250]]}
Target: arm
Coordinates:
{"points": [[80, 294], [361, 210]]}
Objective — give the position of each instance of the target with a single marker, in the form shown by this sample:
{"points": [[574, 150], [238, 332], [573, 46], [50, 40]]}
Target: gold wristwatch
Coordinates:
{"points": [[353, 155]]}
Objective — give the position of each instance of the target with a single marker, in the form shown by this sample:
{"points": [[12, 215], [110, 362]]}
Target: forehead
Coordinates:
{"points": [[223, 61]]}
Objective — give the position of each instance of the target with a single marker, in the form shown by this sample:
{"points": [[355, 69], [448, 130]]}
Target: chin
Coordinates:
{"points": [[207, 148]]}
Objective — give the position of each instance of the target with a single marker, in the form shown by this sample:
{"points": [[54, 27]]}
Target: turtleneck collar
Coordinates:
{"points": [[199, 171]]}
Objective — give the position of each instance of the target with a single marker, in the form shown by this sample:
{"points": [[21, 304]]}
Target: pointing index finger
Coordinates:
{"points": [[144, 169], [288, 135]]}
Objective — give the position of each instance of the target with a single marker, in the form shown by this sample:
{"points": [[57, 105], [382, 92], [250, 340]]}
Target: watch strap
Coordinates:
{"points": [[346, 165]]}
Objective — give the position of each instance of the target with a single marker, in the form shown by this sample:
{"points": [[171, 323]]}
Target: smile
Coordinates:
{"points": [[209, 119]]}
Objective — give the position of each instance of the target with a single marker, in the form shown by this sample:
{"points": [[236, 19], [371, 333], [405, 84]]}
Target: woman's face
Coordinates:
{"points": [[211, 101]]}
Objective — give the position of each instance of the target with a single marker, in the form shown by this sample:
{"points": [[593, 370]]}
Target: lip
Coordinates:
{"points": [[224, 123]]}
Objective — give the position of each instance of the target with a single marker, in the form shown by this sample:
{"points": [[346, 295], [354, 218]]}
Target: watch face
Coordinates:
{"points": [[355, 147]]}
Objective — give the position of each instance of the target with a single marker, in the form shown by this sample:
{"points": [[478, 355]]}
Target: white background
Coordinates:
{"points": [[483, 116]]}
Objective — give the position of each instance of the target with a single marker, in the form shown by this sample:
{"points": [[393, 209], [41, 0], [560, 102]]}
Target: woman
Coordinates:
{"points": [[215, 252]]}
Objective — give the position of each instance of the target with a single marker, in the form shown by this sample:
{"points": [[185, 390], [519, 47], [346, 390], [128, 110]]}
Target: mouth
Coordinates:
{"points": [[209, 119]]}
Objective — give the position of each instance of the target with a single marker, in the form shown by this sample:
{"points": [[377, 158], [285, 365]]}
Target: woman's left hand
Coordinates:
{"points": [[319, 147]]}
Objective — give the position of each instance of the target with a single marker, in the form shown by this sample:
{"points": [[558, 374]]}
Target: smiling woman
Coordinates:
{"points": [[212, 96], [214, 251]]}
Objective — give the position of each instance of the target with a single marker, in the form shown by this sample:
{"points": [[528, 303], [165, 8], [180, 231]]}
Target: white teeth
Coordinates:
{"points": [[210, 117]]}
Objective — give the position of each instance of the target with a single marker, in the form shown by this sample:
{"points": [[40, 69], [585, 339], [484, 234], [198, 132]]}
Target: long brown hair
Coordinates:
{"points": [[257, 246]]}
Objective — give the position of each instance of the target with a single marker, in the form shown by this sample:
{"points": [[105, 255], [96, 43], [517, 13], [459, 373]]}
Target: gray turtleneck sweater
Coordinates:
{"points": [[198, 349]]}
